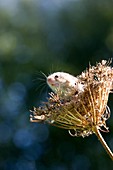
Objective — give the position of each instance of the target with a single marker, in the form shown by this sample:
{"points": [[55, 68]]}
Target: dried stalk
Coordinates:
{"points": [[104, 144]]}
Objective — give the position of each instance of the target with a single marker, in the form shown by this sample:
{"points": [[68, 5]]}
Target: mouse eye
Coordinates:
{"points": [[56, 77]]}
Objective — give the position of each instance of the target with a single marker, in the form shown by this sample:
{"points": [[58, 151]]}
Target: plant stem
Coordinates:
{"points": [[104, 144]]}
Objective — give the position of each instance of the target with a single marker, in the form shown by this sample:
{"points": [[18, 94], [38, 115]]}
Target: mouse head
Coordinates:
{"points": [[60, 80]]}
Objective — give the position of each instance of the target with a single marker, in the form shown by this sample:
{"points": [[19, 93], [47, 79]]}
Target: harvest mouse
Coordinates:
{"points": [[64, 83]]}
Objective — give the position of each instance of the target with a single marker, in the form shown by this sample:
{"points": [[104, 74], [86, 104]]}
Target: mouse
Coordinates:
{"points": [[64, 83]]}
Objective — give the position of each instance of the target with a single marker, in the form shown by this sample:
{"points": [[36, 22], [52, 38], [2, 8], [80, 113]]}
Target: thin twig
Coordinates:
{"points": [[104, 144]]}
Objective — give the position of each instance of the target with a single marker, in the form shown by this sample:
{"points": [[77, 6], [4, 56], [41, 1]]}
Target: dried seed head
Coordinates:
{"points": [[80, 113]]}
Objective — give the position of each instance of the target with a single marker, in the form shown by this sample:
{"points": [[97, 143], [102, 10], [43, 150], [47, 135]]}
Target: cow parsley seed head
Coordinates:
{"points": [[83, 113]]}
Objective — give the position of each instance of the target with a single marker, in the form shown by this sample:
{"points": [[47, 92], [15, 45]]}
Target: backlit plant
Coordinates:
{"points": [[85, 112]]}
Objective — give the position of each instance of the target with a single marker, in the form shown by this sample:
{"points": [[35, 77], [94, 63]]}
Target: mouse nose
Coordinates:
{"points": [[49, 80]]}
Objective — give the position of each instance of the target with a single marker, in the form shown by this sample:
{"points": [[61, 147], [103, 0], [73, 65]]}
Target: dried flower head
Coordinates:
{"points": [[82, 113]]}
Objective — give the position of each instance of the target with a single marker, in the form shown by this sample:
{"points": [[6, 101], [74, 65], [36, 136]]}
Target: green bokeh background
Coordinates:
{"points": [[49, 36]]}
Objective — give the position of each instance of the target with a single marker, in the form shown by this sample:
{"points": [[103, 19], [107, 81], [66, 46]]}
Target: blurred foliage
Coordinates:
{"points": [[49, 36]]}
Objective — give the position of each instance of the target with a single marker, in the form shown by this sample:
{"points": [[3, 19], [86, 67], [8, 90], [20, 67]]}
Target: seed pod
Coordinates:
{"points": [[84, 113]]}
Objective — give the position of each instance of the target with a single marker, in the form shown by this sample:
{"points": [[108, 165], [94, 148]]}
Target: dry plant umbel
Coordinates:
{"points": [[84, 112]]}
